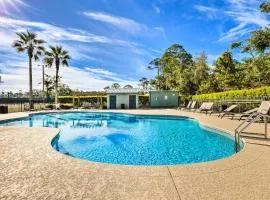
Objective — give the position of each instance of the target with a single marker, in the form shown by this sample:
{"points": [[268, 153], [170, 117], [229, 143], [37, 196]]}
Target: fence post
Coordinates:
{"points": [[265, 126], [73, 101]]}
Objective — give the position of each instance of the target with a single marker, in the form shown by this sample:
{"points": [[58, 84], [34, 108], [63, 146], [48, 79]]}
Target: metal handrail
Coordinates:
{"points": [[249, 118], [252, 118], [57, 117]]}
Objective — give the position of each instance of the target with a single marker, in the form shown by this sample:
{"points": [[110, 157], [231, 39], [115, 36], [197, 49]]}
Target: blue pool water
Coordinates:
{"points": [[131, 139]]}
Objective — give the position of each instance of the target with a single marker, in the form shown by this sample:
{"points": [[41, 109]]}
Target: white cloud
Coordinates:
{"points": [[245, 14], [55, 33], [209, 11], [162, 31], [156, 51], [91, 78], [205, 8], [156, 9], [67, 37], [123, 23], [249, 17], [235, 32], [7, 37], [15, 66], [143, 70], [100, 71]]}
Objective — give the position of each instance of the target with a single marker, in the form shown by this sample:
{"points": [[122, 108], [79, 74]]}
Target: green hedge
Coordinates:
{"points": [[66, 106], [256, 93]]}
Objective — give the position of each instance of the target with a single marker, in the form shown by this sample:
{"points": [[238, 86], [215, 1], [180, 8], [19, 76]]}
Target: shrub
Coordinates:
{"points": [[66, 106], [257, 93], [104, 105], [143, 101], [49, 106]]}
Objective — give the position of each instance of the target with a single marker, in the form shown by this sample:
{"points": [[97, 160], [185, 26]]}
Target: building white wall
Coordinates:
{"points": [[108, 101], [137, 101], [122, 99]]}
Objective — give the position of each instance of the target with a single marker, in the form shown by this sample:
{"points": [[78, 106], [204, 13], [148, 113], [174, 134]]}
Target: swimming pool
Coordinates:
{"points": [[131, 139]]}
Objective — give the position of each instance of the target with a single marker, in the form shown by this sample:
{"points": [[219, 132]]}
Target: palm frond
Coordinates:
{"points": [[17, 43], [64, 52], [66, 57], [23, 36], [28, 41], [59, 49], [31, 35], [39, 53], [53, 50], [36, 41], [64, 62], [20, 49], [41, 48], [58, 55], [48, 61], [48, 54], [36, 57]]}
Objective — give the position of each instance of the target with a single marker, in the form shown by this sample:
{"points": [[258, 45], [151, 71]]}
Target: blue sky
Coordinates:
{"points": [[114, 40]]}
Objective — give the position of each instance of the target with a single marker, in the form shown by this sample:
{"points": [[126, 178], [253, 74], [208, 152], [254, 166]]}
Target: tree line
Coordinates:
{"points": [[178, 70], [117, 86]]}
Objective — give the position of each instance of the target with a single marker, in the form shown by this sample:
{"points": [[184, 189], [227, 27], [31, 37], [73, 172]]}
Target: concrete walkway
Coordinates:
{"points": [[31, 169]]}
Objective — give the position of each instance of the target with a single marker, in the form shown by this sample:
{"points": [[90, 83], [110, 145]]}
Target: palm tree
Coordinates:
{"points": [[144, 82], [34, 48], [57, 56]]}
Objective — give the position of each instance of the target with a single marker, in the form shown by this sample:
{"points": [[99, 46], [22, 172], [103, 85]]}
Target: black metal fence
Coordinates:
{"points": [[22, 104]]}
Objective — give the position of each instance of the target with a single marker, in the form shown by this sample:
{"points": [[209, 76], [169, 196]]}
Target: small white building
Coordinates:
{"points": [[123, 98]]}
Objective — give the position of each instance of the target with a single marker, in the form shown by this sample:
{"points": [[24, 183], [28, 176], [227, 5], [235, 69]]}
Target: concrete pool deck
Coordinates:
{"points": [[31, 169]]}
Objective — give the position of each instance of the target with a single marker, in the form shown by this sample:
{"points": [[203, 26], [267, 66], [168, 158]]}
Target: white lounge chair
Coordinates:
{"points": [[228, 111], [264, 107], [27, 108], [86, 105], [188, 105], [206, 107], [244, 114], [57, 106], [192, 106], [261, 111]]}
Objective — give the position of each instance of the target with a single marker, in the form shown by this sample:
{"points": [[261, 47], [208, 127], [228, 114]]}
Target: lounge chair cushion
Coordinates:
{"points": [[264, 107], [229, 109]]}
